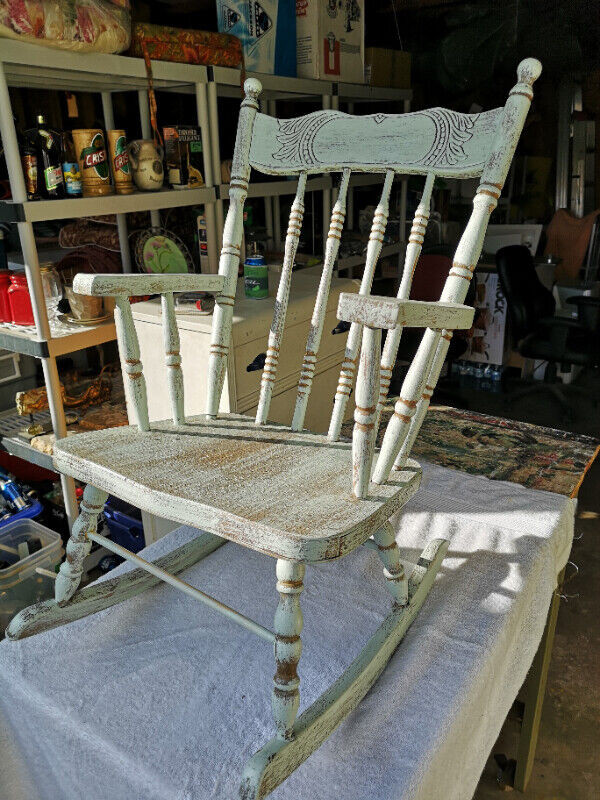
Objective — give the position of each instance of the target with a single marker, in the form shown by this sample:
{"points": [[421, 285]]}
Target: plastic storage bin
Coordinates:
{"points": [[124, 523], [20, 584]]}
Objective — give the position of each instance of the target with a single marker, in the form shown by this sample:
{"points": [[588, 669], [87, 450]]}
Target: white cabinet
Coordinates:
{"points": [[251, 322]]}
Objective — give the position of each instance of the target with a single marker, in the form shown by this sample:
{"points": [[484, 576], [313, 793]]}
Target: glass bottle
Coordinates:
{"points": [[29, 164], [48, 151], [70, 167], [52, 288]]}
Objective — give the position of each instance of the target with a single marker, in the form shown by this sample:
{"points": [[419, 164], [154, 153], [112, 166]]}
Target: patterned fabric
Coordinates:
{"points": [[99, 26], [501, 449], [188, 46], [161, 43]]}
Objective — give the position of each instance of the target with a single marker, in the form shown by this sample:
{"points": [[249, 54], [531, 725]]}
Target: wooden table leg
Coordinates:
{"points": [[534, 691]]}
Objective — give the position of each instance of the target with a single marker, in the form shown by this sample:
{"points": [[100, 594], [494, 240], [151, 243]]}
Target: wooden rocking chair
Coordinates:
{"points": [[283, 490]]}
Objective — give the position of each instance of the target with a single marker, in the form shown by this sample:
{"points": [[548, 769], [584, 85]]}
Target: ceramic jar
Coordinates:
{"points": [[5, 315], [20, 302], [146, 161], [90, 149]]}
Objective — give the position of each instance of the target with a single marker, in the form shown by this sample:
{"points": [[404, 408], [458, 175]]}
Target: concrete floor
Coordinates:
{"points": [[567, 764]]}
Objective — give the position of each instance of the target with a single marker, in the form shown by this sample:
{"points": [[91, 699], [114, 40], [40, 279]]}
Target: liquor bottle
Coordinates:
{"points": [[50, 182], [30, 170], [70, 167], [28, 162]]}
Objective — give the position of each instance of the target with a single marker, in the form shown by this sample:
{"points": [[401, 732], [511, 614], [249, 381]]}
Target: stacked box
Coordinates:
{"points": [[330, 40], [183, 154], [267, 30], [488, 343], [384, 67]]}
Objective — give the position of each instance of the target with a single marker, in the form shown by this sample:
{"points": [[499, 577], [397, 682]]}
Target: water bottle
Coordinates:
{"points": [[477, 376], [496, 379], [462, 374], [469, 376], [486, 382]]}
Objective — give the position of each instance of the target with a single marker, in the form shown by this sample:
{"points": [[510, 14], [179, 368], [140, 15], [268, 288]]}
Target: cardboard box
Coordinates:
{"points": [[184, 157], [330, 40], [387, 68], [267, 30], [488, 343]]}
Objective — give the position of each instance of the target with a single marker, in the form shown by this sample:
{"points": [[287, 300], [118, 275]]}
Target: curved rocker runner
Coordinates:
{"points": [[294, 495]]}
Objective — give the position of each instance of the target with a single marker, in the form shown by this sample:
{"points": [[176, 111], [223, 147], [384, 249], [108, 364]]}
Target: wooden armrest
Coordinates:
{"points": [[132, 285], [387, 312]]}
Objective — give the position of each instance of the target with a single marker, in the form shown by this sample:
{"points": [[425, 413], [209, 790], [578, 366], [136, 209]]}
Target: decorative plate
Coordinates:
{"points": [[159, 250]]}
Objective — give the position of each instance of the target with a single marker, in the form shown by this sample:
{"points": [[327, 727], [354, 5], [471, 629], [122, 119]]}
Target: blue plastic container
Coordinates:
{"points": [[124, 523], [31, 512]]}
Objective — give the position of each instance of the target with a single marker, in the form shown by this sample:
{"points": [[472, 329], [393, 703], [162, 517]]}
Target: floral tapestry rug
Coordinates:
{"points": [[501, 449]]}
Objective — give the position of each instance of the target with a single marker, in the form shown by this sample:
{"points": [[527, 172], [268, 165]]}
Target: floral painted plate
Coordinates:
{"points": [[159, 250]]}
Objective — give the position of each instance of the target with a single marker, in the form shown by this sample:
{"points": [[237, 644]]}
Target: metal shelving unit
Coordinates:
{"points": [[13, 443], [31, 66], [25, 339], [44, 210]]}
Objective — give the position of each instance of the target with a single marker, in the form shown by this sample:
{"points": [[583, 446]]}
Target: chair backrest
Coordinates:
{"points": [[435, 142], [527, 298]]}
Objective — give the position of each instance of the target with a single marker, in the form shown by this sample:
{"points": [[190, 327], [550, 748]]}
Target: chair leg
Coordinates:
{"points": [[78, 546], [288, 646], [279, 757], [393, 569]]}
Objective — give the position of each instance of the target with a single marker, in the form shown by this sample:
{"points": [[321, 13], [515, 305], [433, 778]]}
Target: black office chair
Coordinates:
{"points": [[537, 333]]}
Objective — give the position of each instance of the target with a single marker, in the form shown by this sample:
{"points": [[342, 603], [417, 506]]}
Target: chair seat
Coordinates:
{"points": [[278, 491]]}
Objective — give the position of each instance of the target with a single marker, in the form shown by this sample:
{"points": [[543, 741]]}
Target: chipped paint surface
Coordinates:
{"points": [[347, 372], [287, 492], [425, 368], [288, 646], [132, 285], [281, 304], [388, 312], [93, 598], [332, 245], [279, 757], [365, 412], [282, 492]]}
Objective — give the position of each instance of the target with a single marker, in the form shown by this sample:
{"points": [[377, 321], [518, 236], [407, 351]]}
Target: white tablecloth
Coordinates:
{"points": [[160, 697]]}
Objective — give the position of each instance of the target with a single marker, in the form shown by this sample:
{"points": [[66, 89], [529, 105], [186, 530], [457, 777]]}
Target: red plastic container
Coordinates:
{"points": [[5, 315], [20, 302]]}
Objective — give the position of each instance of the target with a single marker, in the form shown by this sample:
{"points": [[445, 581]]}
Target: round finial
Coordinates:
{"points": [[529, 70], [252, 88]]}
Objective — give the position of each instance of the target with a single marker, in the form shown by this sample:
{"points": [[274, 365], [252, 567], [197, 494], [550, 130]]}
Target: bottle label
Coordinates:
{"points": [[30, 169], [94, 157], [53, 177], [47, 137], [121, 160], [72, 177]]}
